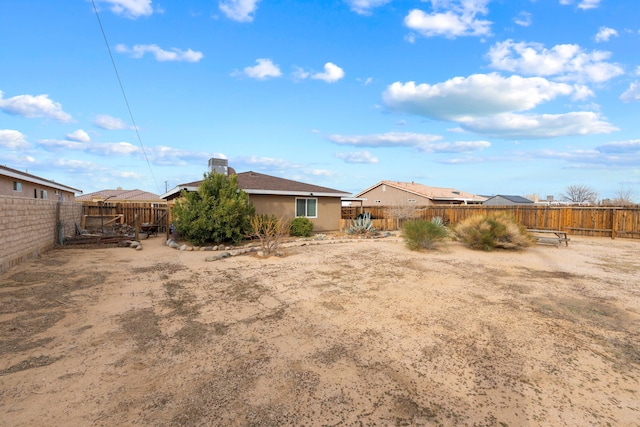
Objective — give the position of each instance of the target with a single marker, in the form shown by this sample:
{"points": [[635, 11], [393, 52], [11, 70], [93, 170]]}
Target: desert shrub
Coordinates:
{"points": [[362, 225], [301, 227], [270, 231], [218, 212], [422, 234], [490, 232]]}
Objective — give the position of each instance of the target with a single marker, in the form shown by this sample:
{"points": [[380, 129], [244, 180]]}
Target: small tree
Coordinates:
{"points": [[624, 198], [218, 212], [579, 194], [270, 231]]}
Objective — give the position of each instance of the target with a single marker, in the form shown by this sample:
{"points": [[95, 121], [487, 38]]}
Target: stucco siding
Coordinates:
{"points": [[329, 210], [31, 190], [389, 196]]}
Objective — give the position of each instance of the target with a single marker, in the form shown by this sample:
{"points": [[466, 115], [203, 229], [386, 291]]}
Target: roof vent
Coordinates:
{"points": [[219, 166]]}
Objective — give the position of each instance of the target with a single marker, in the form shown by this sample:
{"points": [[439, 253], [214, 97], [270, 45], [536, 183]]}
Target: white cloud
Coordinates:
{"points": [[78, 136], [456, 147], [332, 73], [357, 157], [523, 19], [30, 106], [174, 54], [389, 139], [264, 162], [130, 8], [363, 7], [621, 147], [263, 70], [114, 149], [535, 126], [604, 34], [422, 142], [107, 122], [451, 18], [568, 62], [12, 140], [631, 94], [583, 4], [59, 145], [299, 73], [476, 95], [163, 155], [239, 10]]}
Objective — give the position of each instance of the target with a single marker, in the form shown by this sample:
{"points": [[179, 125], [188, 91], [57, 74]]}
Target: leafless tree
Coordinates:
{"points": [[625, 197], [578, 193]]}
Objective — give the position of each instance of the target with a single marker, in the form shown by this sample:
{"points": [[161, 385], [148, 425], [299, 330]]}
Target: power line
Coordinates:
{"points": [[124, 95]]}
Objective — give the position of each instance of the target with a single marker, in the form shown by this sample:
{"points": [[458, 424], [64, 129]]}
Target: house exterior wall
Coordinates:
{"points": [[29, 227], [391, 196], [329, 210], [31, 190]]}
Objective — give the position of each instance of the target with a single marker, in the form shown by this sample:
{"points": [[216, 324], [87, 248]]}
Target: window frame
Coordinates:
{"points": [[306, 207], [17, 186]]}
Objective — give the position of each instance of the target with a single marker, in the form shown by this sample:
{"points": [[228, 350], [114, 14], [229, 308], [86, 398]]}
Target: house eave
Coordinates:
{"points": [[293, 193]]}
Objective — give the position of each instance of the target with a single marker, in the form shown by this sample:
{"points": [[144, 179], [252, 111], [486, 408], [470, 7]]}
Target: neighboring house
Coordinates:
{"points": [[394, 193], [21, 184], [502, 200], [122, 196], [281, 197]]}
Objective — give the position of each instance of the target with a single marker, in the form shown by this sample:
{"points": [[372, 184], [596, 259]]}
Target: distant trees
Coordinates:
{"points": [[577, 193]]}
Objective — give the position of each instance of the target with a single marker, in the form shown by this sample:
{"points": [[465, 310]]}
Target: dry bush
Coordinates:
{"points": [[490, 232], [270, 231]]}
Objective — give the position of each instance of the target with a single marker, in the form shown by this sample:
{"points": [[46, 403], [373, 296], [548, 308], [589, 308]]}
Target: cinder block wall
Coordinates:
{"points": [[29, 227]]}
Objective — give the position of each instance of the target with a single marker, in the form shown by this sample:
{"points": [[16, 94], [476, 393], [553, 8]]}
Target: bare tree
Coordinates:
{"points": [[578, 193], [624, 198]]}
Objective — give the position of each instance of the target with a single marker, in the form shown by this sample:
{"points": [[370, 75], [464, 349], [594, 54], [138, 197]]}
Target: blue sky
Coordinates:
{"points": [[486, 96]]}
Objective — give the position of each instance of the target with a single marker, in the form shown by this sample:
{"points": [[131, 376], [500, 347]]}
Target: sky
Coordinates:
{"points": [[485, 96]]}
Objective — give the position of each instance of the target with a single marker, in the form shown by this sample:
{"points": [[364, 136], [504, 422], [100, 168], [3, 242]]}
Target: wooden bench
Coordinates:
{"points": [[550, 237]]}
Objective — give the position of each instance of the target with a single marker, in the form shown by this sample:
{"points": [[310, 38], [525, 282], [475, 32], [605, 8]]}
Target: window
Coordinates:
{"points": [[43, 194], [307, 207], [17, 186]]}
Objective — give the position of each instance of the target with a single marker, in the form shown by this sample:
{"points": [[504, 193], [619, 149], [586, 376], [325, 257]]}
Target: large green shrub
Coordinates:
{"points": [[490, 232], [218, 212], [301, 227], [422, 234]]}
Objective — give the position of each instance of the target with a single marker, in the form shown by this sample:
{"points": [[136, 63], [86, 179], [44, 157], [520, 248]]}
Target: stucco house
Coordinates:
{"points": [[396, 193], [504, 200], [280, 197], [21, 184]]}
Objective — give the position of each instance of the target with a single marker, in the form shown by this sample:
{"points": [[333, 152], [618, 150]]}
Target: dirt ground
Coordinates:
{"points": [[337, 332]]}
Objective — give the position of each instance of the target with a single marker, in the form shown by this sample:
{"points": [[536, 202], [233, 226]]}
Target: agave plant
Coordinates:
{"points": [[363, 224]]}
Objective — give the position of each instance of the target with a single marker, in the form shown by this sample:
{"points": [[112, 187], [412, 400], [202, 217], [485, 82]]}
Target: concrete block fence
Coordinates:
{"points": [[29, 227]]}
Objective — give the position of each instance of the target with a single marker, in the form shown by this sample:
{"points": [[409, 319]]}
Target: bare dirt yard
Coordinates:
{"points": [[342, 332]]}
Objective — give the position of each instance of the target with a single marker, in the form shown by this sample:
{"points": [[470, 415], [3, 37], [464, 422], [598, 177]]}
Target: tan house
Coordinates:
{"points": [[21, 184], [122, 196], [283, 198], [395, 193]]}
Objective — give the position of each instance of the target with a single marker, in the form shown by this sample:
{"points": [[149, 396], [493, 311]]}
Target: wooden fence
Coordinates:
{"points": [[585, 221], [108, 214]]}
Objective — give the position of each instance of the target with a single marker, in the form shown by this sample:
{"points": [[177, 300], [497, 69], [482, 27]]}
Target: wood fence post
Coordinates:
{"points": [[614, 218], [135, 226]]}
